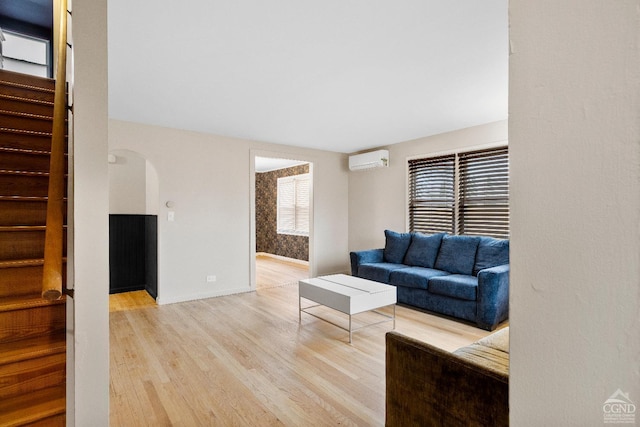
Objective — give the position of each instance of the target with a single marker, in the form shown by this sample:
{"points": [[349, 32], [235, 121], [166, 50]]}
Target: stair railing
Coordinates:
{"points": [[53, 247]]}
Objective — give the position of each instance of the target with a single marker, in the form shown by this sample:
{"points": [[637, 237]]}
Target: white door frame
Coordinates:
{"points": [[252, 209]]}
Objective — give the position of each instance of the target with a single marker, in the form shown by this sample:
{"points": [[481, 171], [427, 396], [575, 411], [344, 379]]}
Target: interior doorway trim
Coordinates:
{"points": [[252, 208]]}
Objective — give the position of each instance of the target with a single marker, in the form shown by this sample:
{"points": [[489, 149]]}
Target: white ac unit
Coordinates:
{"points": [[372, 159]]}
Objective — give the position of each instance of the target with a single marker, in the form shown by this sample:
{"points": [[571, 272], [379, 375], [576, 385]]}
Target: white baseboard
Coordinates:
{"points": [[205, 295]]}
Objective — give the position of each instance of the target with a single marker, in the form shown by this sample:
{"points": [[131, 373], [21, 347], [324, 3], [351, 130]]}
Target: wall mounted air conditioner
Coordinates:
{"points": [[372, 159]]}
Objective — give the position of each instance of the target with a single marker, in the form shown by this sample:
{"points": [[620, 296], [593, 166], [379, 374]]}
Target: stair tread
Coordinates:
{"points": [[19, 228], [13, 150], [26, 301], [25, 198], [26, 173], [32, 348], [34, 406], [26, 115], [25, 132], [12, 78], [23, 99], [23, 173], [24, 262], [21, 263]]}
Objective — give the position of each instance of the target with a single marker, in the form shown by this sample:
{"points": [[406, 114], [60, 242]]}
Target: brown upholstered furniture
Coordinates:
{"points": [[427, 386]]}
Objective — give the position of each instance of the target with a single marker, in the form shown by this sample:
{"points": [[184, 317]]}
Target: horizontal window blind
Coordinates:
{"points": [[293, 205], [463, 193], [483, 193], [302, 205], [286, 205], [432, 194]]}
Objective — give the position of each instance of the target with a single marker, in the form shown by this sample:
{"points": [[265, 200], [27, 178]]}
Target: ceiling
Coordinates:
{"points": [[336, 75]]}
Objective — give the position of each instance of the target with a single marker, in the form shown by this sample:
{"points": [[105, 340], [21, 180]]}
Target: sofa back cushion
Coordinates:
{"points": [[457, 254], [396, 246], [423, 250], [491, 252]]}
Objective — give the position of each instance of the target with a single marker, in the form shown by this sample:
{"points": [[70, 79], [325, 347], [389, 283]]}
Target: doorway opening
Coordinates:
{"points": [[282, 221], [133, 231]]}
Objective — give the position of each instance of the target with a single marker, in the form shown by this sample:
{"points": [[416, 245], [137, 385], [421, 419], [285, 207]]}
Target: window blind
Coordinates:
{"points": [[24, 54], [286, 205], [432, 194], [483, 193], [462, 193], [302, 205], [293, 205]]}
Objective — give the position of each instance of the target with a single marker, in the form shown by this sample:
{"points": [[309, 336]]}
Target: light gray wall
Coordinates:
{"points": [[207, 177], [574, 134], [127, 183], [378, 197], [88, 311]]}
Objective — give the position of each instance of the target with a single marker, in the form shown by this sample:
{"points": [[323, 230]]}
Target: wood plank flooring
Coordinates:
{"points": [[130, 301], [244, 360], [270, 272], [276, 272]]}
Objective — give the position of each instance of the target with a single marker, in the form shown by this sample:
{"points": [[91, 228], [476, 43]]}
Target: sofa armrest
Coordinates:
{"points": [[428, 386], [493, 296], [362, 257]]}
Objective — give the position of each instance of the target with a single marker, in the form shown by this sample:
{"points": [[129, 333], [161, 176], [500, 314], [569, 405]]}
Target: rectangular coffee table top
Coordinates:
{"points": [[349, 285], [347, 294]]}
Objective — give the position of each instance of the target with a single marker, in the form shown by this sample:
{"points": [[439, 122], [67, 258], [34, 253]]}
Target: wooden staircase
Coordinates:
{"points": [[32, 329]]}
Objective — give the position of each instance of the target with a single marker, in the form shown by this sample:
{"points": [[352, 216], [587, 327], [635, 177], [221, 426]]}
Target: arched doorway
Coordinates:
{"points": [[133, 224]]}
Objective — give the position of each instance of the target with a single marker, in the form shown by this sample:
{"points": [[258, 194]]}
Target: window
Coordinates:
{"points": [[24, 54], [432, 195], [462, 193], [483, 195], [293, 205]]}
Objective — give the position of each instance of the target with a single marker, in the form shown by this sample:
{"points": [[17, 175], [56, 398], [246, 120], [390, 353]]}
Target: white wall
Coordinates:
{"points": [[133, 184], [127, 183], [378, 197], [207, 177], [152, 197], [88, 371], [574, 134]]}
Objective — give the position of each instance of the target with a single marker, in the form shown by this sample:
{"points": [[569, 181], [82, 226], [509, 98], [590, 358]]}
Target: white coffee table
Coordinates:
{"points": [[349, 295]]}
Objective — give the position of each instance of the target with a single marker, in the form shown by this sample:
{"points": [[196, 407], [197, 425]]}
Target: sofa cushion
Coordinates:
{"points": [[492, 352], [396, 246], [379, 271], [457, 254], [423, 249], [498, 340], [414, 277], [491, 253], [455, 285], [491, 359]]}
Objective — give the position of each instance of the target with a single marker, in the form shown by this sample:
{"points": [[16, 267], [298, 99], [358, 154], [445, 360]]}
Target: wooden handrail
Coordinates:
{"points": [[53, 246]]}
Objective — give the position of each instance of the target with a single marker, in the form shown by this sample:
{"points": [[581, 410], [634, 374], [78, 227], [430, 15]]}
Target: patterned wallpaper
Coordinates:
{"points": [[267, 238]]}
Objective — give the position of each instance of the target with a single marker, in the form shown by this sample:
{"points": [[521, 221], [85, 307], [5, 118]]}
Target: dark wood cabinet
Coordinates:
{"points": [[133, 253]]}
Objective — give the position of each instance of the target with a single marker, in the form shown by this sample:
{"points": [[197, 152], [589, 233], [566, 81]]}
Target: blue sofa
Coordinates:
{"points": [[466, 277]]}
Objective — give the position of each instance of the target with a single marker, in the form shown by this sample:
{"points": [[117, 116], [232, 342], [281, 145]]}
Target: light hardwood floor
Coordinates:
{"points": [[276, 272], [130, 301], [270, 272], [245, 360]]}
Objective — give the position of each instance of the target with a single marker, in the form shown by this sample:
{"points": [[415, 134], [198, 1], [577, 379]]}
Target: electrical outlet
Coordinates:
{"points": [[211, 279]]}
